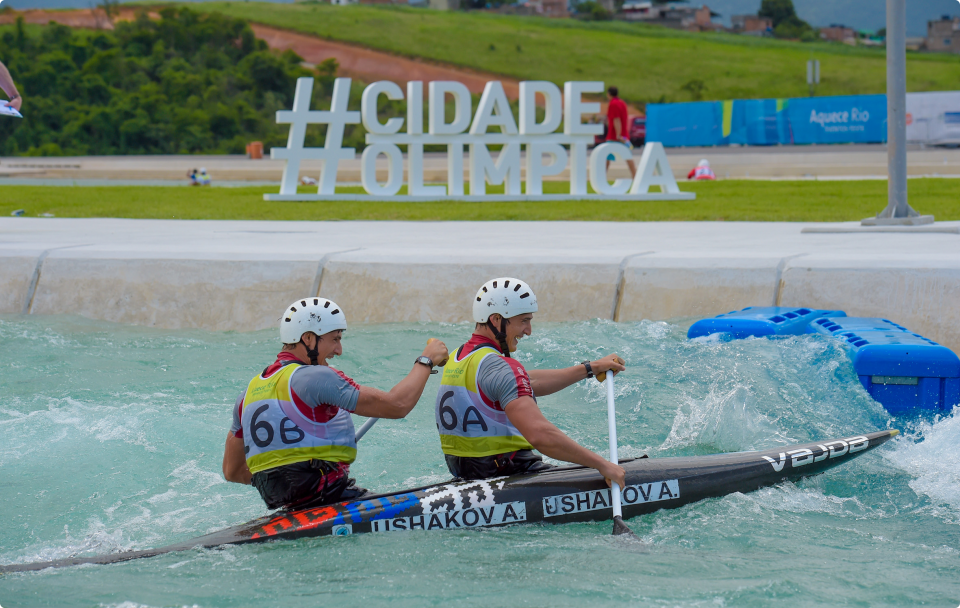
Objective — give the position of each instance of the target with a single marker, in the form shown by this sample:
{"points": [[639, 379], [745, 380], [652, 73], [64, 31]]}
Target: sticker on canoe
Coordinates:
{"points": [[831, 449], [579, 502], [494, 515], [461, 495]]}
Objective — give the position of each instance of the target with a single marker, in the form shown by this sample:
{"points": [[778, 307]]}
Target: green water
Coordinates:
{"points": [[111, 439]]}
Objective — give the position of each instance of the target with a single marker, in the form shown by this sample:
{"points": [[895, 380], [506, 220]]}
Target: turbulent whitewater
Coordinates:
{"points": [[112, 438]]}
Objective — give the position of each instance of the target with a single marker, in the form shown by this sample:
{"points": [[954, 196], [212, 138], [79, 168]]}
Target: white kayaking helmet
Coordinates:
{"points": [[317, 315], [507, 297]]}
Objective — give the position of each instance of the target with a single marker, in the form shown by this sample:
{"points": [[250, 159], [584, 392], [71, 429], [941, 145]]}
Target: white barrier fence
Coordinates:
{"points": [[934, 118]]}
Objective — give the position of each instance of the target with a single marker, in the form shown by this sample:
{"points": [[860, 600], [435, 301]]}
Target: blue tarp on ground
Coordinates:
{"points": [[760, 122]]}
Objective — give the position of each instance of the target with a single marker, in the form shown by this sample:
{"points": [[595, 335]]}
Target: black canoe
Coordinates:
{"points": [[562, 495]]}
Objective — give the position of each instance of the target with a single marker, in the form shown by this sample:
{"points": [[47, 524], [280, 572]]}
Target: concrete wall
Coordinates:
{"points": [[925, 300], [172, 293], [379, 292], [665, 288], [16, 272], [241, 275]]}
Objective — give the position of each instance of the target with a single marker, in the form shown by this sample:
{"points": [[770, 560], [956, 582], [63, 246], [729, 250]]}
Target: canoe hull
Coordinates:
{"points": [[562, 495]]}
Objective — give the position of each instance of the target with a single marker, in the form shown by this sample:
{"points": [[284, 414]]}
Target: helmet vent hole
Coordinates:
{"points": [[526, 295], [287, 319], [316, 301], [335, 312], [303, 303], [484, 289], [494, 284], [327, 304], [517, 288], [506, 284], [478, 298], [293, 308]]}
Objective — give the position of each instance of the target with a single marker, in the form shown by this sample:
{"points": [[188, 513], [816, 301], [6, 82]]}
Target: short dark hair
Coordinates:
{"points": [[614, 91]]}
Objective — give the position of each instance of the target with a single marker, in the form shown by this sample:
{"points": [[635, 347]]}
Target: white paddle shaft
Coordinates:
{"points": [[612, 421], [366, 427]]}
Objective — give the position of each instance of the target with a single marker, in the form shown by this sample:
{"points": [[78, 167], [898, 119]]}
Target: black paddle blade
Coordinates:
{"points": [[621, 529]]}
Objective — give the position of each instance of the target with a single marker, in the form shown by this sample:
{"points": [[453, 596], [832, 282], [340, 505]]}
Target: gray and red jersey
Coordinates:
{"points": [[318, 391], [500, 379]]}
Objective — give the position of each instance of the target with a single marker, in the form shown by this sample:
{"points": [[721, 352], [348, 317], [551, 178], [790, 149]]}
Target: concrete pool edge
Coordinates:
{"points": [[239, 275]]}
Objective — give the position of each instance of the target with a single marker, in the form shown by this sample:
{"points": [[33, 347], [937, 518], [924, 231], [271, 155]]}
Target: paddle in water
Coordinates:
{"points": [[619, 528]]}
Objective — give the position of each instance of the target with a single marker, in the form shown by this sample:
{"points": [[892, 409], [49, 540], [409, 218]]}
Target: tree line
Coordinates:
{"points": [[184, 83]]}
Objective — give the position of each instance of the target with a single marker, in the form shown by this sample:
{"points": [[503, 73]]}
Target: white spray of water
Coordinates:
{"points": [[726, 418], [930, 456]]}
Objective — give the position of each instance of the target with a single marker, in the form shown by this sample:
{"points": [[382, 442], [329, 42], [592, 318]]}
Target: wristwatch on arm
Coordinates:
{"points": [[426, 361], [589, 367]]}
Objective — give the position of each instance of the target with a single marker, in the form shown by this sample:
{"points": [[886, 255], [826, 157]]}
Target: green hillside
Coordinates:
{"points": [[648, 63]]}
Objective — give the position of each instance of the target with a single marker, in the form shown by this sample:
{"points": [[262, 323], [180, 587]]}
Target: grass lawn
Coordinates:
{"points": [[730, 200], [648, 63]]}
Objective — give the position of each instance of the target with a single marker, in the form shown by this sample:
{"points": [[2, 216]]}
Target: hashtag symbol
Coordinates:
{"points": [[332, 151]]}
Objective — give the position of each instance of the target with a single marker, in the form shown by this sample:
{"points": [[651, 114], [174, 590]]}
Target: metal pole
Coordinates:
{"points": [[897, 108], [898, 211]]}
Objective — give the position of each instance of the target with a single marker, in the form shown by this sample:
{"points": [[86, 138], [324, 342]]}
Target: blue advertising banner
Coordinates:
{"points": [[839, 120], [696, 123], [759, 122]]}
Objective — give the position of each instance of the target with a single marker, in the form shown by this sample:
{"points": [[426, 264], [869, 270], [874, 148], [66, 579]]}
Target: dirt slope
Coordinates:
{"points": [[370, 66]]}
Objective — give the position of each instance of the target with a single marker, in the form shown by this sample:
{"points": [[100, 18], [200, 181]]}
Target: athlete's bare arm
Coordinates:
{"points": [[544, 436], [549, 381], [401, 399], [6, 83], [235, 461]]}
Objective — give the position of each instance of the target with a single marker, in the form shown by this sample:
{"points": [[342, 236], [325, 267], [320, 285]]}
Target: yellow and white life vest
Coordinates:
{"points": [[469, 427], [276, 432]]}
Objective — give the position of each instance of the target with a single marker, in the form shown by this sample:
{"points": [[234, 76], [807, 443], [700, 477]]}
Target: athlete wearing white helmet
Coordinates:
{"points": [[292, 435], [487, 412]]}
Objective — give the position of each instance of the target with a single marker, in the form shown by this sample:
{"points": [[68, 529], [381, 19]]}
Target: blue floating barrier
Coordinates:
{"points": [[900, 369], [832, 325], [761, 321]]}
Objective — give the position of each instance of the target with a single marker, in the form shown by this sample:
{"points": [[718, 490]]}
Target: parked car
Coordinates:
{"points": [[638, 130]]}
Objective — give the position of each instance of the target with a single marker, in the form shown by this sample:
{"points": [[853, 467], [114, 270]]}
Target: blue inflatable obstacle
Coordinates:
{"points": [[761, 321], [900, 369]]}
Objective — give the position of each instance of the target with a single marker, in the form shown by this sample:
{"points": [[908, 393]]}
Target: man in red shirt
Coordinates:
{"points": [[618, 127]]}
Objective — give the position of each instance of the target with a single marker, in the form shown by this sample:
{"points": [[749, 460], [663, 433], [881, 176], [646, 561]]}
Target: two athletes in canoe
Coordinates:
{"points": [[293, 437]]}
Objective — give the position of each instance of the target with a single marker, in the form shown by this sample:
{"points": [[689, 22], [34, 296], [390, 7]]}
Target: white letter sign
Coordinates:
{"points": [[530, 151]]}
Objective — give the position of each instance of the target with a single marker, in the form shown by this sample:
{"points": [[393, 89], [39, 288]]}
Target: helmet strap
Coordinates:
{"points": [[501, 335], [312, 353]]}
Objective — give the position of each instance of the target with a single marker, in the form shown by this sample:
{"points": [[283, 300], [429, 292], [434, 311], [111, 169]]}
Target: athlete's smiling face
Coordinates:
{"points": [[518, 327], [328, 345]]}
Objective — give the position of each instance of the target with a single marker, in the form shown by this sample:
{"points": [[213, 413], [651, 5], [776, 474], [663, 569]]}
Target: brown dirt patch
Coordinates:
{"points": [[370, 66]]}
